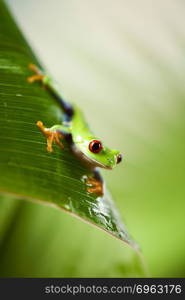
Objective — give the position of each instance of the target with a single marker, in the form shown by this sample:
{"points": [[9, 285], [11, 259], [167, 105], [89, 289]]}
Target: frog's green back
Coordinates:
{"points": [[80, 126]]}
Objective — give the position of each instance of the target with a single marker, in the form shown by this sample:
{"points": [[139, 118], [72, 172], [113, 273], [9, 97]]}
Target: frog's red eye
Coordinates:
{"points": [[95, 146]]}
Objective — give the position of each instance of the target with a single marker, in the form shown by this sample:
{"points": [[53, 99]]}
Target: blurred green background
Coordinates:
{"points": [[123, 63]]}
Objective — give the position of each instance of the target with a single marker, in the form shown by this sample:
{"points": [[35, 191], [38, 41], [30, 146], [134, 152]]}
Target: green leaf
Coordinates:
{"points": [[27, 170], [131, 67], [36, 240]]}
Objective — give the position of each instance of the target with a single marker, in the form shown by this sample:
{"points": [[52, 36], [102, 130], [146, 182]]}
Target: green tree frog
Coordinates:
{"points": [[76, 132]]}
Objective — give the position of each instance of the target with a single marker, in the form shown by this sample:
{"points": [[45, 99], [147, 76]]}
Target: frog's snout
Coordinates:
{"points": [[119, 158]]}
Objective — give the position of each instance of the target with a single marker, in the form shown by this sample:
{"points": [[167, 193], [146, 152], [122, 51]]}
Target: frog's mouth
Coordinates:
{"points": [[98, 164], [90, 162]]}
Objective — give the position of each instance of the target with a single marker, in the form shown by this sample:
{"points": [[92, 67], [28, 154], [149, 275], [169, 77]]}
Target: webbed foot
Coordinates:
{"points": [[38, 76], [96, 186], [51, 135]]}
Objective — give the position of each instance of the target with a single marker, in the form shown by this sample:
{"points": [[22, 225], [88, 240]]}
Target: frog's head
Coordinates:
{"points": [[98, 155]]}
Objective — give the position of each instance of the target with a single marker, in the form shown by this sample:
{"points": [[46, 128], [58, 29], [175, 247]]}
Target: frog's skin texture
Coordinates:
{"points": [[75, 130]]}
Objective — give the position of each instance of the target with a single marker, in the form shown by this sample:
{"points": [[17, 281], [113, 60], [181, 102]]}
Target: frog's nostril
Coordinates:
{"points": [[119, 158]]}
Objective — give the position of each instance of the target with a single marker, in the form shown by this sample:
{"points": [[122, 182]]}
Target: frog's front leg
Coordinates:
{"points": [[96, 183], [52, 135]]}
